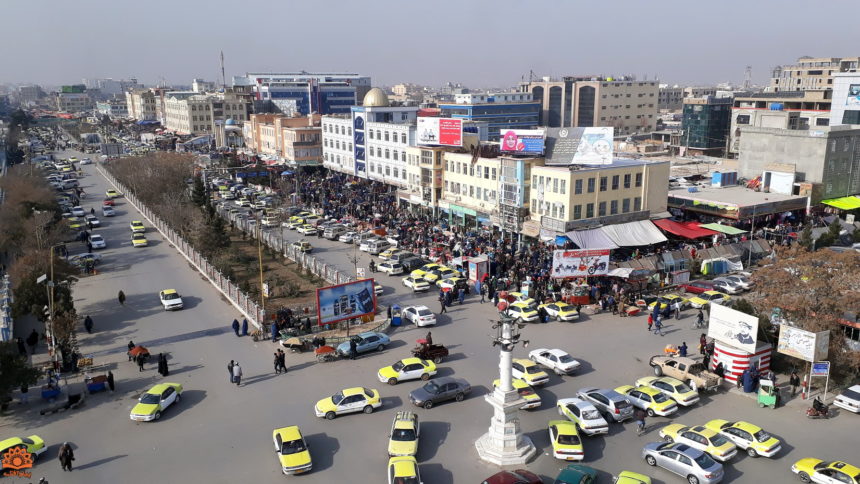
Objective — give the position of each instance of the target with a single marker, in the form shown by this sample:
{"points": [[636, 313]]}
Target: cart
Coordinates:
{"points": [[325, 353], [295, 345], [768, 394], [430, 352]]}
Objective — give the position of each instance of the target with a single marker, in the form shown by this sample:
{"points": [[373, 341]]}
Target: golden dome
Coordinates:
{"points": [[376, 97]]}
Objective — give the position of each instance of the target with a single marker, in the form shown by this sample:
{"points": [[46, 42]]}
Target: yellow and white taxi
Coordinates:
{"points": [[702, 438], [406, 369], [566, 444], [292, 450], [525, 391], [349, 400], [403, 438], [529, 371], [752, 438]]}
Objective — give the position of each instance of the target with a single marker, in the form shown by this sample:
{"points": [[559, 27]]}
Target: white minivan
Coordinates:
{"points": [[376, 246]]}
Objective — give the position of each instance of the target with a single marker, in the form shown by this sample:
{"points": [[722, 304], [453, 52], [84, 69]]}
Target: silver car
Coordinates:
{"points": [[613, 405], [693, 465]]}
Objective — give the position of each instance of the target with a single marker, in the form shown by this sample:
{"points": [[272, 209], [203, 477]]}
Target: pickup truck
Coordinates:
{"points": [[687, 370]]}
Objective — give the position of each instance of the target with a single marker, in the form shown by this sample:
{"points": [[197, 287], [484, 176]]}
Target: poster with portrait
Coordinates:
{"points": [[853, 98], [733, 328]]}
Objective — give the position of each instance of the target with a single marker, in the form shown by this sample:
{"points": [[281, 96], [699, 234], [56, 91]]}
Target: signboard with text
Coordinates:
{"points": [[522, 141], [733, 328], [802, 344], [580, 263], [440, 131], [580, 146], [346, 301]]}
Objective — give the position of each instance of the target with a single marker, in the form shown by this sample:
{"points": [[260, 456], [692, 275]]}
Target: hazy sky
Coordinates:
{"points": [[476, 42]]}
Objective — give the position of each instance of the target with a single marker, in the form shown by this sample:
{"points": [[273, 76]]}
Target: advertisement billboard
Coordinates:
{"points": [[580, 263], [523, 141], [580, 146], [440, 131], [346, 301], [733, 328], [802, 344], [853, 98]]}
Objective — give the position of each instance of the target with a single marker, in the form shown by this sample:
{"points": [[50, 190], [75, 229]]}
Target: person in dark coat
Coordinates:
{"points": [[130, 347], [88, 324], [388, 312], [429, 338], [353, 349], [442, 302], [244, 327], [22, 349], [66, 456], [230, 370], [110, 381], [32, 341], [121, 297], [282, 360], [141, 359], [236, 326], [682, 350], [162, 364]]}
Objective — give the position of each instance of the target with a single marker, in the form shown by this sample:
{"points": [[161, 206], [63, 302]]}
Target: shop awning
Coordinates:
{"points": [[591, 239], [726, 229], [844, 203], [688, 230], [634, 234]]}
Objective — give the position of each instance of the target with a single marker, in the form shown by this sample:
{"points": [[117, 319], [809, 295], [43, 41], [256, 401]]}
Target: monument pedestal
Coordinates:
{"points": [[504, 443]]}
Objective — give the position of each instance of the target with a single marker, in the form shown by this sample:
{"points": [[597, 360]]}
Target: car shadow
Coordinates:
{"points": [[390, 403], [190, 398], [454, 357], [190, 302], [478, 391], [584, 368], [444, 371], [548, 399], [436, 473], [433, 435], [323, 448]]}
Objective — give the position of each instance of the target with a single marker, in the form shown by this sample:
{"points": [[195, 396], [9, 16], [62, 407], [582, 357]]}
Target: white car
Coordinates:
{"points": [[108, 211], [307, 230], [849, 399], [348, 237], [97, 241], [585, 415], [391, 268], [78, 211], [555, 359], [727, 286], [416, 284], [170, 299], [86, 161], [419, 316], [92, 220], [741, 280]]}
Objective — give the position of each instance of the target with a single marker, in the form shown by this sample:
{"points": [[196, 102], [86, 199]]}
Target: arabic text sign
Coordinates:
{"points": [[580, 263], [805, 345]]}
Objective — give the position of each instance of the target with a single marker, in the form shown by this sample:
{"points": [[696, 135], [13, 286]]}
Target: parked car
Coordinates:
{"points": [[704, 299], [440, 390], [92, 220], [849, 399], [391, 268], [419, 316], [525, 391], [529, 371], [726, 286], [674, 388], [97, 241], [741, 280], [654, 402], [555, 359], [519, 476], [694, 465], [697, 287], [612, 404], [687, 370], [365, 342], [586, 416]]}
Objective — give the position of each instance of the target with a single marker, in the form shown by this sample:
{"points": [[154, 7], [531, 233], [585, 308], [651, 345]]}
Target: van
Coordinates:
{"points": [[364, 237], [334, 231], [412, 263], [374, 247], [400, 256]]}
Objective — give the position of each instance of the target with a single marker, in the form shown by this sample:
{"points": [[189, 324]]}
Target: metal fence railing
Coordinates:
{"points": [[242, 301]]}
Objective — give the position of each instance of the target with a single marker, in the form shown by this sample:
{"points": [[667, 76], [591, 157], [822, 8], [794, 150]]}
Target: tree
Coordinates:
{"points": [[14, 371], [198, 192], [212, 237], [805, 239], [815, 290], [832, 235]]}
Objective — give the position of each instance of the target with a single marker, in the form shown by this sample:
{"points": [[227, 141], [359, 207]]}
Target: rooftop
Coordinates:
{"points": [[737, 195]]}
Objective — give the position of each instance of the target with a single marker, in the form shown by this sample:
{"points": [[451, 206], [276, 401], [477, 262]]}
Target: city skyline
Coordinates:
{"points": [[165, 42]]}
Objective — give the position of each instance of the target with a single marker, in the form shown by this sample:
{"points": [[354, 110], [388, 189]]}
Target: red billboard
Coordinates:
{"points": [[440, 131]]}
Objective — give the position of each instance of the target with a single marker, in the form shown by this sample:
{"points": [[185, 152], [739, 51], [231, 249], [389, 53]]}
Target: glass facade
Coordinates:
{"points": [[706, 125]]}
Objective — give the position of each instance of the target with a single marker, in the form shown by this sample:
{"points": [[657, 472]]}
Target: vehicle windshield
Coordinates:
{"points": [[568, 439], [705, 461], [150, 398], [526, 391], [432, 388], [533, 370], [397, 366], [172, 295], [425, 312], [337, 397], [293, 447], [660, 397], [683, 388], [405, 480], [591, 414], [565, 359], [762, 436], [718, 440], [403, 435]]}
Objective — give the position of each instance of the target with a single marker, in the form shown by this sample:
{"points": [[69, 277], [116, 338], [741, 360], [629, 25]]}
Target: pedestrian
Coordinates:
{"points": [[650, 322], [483, 292], [461, 295], [130, 347], [32, 341], [640, 421], [244, 326], [110, 381], [162, 365], [677, 307], [277, 363], [353, 349], [25, 394], [700, 319], [388, 312], [22, 349], [282, 360], [682, 350], [720, 370], [449, 298], [237, 374], [230, 370], [429, 338], [703, 342], [88, 324], [794, 381], [141, 359], [66, 456], [442, 302], [121, 297], [236, 326], [92, 211], [658, 328]]}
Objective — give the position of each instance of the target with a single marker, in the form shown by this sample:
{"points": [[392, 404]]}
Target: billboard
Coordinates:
{"points": [[580, 263], [802, 344], [853, 98], [346, 301], [440, 131], [733, 328], [580, 146], [524, 141]]}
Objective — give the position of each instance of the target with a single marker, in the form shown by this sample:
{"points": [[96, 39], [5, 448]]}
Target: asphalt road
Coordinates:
{"points": [[221, 433]]}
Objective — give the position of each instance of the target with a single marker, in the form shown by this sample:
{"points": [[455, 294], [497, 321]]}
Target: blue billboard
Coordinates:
{"points": [[346, 301]]}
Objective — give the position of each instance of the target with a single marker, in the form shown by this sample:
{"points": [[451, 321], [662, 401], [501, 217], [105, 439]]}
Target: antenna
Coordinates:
{"points": [[223, 78], [748, 77]]}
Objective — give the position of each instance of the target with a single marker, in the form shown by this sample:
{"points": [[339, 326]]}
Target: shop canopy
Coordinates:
{"points": [[630, 234], [726, 229], [844, 203], [688, 230], [591, 239]]}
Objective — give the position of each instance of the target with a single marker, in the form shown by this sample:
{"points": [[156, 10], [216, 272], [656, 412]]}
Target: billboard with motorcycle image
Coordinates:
{"points": [[580, 263]]}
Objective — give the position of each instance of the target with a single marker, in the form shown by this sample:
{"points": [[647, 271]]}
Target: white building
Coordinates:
{"points": [[187, 112], [116, 108], [386, 151], [337, 144]]}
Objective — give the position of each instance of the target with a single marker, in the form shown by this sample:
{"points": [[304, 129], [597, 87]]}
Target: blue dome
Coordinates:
{"points": [[231, 122]]}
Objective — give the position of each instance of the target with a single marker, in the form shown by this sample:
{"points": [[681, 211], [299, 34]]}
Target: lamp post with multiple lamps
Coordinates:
{"points": [[504, 443]]}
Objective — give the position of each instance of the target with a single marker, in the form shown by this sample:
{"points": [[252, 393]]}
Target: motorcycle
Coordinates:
{"points": [[818, 410]]}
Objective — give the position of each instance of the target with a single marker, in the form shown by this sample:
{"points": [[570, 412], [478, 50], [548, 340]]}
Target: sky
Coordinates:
{"points": [[478, 43]]}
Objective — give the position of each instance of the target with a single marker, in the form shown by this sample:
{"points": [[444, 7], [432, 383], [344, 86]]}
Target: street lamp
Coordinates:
{"points": [[504, 443]]}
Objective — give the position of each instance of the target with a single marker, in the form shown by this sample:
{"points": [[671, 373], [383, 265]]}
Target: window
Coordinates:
{"points": [[563, 187], [370, 133], [471, 191], [627, 178], [577, 187], [637, 204], [603, 183], [561, 212], [615, 180], [638, 179], [386, 136], [742, 119], [403, 138], [613, 207], [591, 185], [486, 172], [625, 205], [826, 121], [601, 209], [577, 212], [554, 211], [589, 210], [555, 185], [534, 180], [471, 170], [493, 173], [403, 156]]}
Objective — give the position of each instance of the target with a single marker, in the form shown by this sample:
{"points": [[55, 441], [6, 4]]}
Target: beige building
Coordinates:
{"points": [[74, 102], [187, 112], [141, 104], [295, 140], [796, 110], [811, 73], [562, 199]]}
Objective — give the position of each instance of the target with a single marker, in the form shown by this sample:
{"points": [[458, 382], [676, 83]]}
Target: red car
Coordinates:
{"points": [[519, 476], [697, 287], [108, 202]]}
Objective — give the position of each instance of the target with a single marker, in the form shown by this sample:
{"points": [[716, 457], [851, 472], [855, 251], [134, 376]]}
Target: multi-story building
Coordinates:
{"points": [[628, 105], [375, 124], [846, 99], [28, 95], [141, 104], [670, 98], [567, 198], [337, 143], [826, 155], [705, 124], [294, 140], [305, 92], [515, 110], [74, 99], [784, 110], [202, 86], [811, 73], [116, 107], [112, 87], [187, 112]]}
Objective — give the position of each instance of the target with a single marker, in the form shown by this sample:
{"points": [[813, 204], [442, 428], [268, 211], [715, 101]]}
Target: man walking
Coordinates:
{"points": [[658, 327], [32, 341], [88, 324], [121, 297], [794, 381], [277, 362], [442, 302], [237, 374], [483, 292], [66, 456], [282, 360], [230, 370], [141, 359], [353, 349], [236, 326]]}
